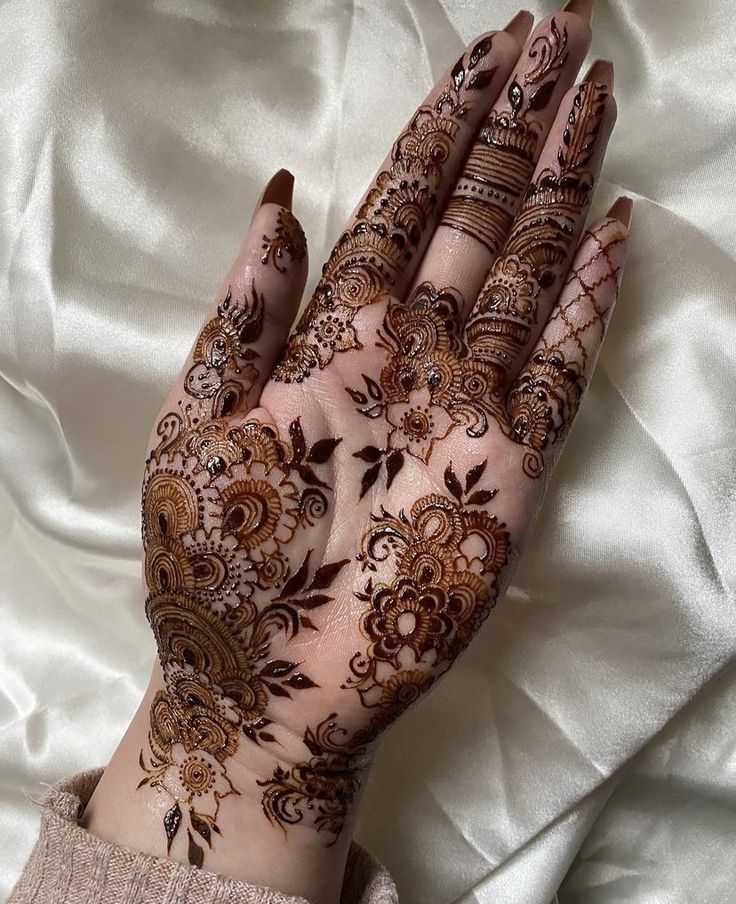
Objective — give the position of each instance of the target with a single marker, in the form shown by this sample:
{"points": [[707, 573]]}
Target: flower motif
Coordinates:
{"points": [[402, 689], [195, 777], [332, 331], [417, 424], [405, 614]]}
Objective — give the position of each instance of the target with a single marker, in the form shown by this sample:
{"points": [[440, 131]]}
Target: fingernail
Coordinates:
{"points": [[582, 8], [601, 72], [622, 210], [279, 190], [520, 26]]}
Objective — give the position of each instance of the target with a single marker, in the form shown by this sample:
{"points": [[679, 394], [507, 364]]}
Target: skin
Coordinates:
{"points": [[330, 512]]}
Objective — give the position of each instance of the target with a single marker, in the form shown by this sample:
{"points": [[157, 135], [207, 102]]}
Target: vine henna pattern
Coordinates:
{"points": [[390, 223], [444, 559], [501, 163]]}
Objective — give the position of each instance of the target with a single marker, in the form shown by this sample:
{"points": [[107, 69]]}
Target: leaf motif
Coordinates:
{"points": [[308, 623], [309, 477], [297, 440], [452, 483], [458, 74], [195, 852], [542, 96], [369, 454], [326, 574], [482, 80], [142, 782], [140, 760], [277, 690], [201, 826], [297, 581], [369, 478], [394, 463], [277, 668], [474, 475], [481, 49], [358, 397], [481, 497], [300, 682], [267, 737], [374, 390], [314, 601], [323, 449], [172, 821]]}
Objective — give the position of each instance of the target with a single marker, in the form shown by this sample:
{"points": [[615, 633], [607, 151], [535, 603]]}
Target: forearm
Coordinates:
{"points": [[293, 859]]}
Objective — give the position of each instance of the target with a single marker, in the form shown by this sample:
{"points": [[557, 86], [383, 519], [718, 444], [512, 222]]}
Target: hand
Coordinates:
{"points": [[328, 518]]}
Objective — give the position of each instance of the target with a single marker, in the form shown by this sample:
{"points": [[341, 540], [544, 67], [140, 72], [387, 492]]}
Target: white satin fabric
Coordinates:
{"points": [[585, 746]]}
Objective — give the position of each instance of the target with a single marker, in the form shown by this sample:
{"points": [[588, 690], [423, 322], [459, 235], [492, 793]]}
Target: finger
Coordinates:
{"points": [[501, 162], [247, 325], [386, 237], [545, 397], [525, 280]]}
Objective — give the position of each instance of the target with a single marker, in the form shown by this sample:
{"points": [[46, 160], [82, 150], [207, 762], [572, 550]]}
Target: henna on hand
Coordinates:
{"points": [[325, 533]]}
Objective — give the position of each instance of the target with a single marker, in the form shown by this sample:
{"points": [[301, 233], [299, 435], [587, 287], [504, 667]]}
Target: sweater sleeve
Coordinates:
{"points": [[68, 865]]}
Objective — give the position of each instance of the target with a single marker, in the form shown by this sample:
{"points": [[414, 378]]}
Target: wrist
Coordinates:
{"points": [[278, 815]]}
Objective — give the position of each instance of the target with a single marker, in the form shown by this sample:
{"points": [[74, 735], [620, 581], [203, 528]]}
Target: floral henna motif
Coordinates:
{"points": [[502, 160], [320, 790], [289, 239], [443, 561], [368, 258], [223, 503], [438, 378]]}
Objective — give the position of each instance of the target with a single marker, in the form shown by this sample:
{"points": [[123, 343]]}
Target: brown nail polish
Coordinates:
{"points": [[622, 210], [601, 72], [279, 190], [582, 8], [520, 26]]}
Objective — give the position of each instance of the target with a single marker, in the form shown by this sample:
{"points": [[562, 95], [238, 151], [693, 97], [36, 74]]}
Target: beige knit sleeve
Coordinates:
{"points": [[70, 866]]}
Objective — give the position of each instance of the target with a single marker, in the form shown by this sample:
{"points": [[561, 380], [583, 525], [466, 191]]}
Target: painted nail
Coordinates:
{"points": [[601, 72], [279, 190], [582, 8], [520, 26], [622, 210]]}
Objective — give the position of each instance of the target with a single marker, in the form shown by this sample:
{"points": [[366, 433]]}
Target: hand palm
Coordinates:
{"points": [[316, 562]]}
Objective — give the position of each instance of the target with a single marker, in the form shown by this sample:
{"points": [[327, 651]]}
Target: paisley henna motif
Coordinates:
{"points": [[369, 257]]}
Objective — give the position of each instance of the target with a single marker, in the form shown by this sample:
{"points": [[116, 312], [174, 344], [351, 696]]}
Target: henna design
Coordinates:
{"points": [[321, 789], [222, 504], [501, 323], [546, 396], [502, 159], [223, 357], [289, 239], [368, 258], [436, 379], [443, 560]]}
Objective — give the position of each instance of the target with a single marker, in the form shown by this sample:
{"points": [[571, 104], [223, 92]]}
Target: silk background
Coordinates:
{"points": [[584, 748]]}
